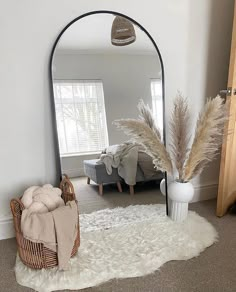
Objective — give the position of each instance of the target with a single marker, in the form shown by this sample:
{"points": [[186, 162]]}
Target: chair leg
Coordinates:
{"points": [[131, 190], [88, 180], [119, 186], [100, 187]]}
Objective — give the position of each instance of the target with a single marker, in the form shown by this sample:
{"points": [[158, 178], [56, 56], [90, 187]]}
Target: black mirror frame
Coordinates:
{"points": [[58, 162]]}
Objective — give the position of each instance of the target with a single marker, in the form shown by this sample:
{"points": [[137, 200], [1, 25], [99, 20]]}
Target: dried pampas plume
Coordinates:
{"points": [[144, 135], [205, 146], [179, 130], [208, 137], [147, 118]]}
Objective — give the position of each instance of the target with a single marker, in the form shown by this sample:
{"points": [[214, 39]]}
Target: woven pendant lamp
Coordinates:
{"points": [[122, 32]]}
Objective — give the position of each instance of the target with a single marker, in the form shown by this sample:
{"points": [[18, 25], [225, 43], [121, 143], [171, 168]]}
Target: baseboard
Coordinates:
{"points": [[74, 172], [6, 227], [206, 192]]}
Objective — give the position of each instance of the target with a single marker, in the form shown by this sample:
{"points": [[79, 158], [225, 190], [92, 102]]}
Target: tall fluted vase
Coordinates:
{"points": [[180, 194]]}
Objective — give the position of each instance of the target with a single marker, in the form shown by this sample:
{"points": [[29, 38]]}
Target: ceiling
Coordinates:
{"points": [[92, 34]]}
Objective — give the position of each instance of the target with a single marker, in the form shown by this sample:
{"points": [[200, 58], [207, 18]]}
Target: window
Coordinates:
{"points": [[81, 116], [157, 102]]}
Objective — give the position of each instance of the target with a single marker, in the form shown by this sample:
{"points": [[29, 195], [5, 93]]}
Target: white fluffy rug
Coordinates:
{"points": [[122, 243]]}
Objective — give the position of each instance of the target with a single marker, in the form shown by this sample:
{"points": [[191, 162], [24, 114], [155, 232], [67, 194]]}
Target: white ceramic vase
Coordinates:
{"points": [[180, 194]]}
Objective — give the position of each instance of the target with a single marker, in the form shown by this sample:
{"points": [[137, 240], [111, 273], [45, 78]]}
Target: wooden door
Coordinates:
{"points": [[227, 180]]}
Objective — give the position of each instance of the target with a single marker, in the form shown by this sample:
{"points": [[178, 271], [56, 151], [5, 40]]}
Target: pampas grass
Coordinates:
{"points": [[147, 118], [180, 136], [208, 137], [144, 135], [188, 162]]}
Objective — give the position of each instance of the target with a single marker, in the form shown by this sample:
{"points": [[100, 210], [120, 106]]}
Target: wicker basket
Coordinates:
{"points": [[36, 255]]}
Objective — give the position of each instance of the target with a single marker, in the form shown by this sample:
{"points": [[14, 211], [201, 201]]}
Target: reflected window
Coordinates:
{"points": [[157, 102], [81, 116]]}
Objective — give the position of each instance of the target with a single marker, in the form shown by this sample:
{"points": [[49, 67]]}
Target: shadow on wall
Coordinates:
{"points": [[219, 44], [218, 55], [208, 61]]}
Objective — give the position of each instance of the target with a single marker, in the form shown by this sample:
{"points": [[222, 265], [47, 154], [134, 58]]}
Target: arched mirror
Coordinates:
{"points": [[102, 64]]}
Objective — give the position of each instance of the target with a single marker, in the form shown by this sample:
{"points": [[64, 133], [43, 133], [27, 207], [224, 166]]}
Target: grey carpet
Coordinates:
{"points": [[214, 270]]}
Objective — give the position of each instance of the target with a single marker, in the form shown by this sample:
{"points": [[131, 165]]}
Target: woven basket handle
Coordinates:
{"points": [[68, 193], [16, 207]]}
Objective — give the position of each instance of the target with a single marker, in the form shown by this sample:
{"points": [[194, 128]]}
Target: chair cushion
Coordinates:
{"points": [[96, 171]]}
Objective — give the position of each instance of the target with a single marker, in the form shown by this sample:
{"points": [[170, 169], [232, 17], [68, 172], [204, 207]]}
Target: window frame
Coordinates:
{"points": [[106, 141], [161, 127]]}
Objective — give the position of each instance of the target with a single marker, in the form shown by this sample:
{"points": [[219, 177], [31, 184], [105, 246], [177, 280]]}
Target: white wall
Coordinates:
{"points": [[126, 79], [193, 37]]}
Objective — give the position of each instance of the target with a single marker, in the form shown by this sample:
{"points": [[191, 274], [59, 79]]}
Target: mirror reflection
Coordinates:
{"points": [[102, 66]]}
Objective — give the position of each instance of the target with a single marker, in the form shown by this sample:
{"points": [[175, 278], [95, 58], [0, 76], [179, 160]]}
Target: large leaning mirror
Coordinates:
{"points": [[102, 64]]}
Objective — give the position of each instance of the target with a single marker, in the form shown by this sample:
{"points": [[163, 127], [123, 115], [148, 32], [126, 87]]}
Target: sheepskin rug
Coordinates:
{"points": [[123, 243]]}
